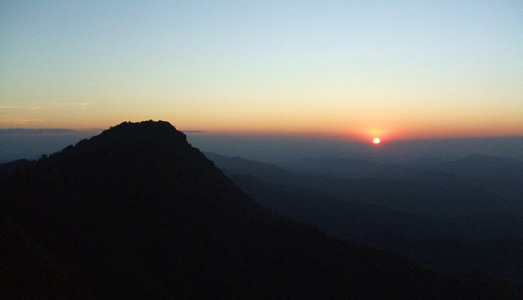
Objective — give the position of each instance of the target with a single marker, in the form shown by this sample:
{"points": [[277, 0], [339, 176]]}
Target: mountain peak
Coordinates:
{"points": [[144, 131], [145, 126], [141, 140]]}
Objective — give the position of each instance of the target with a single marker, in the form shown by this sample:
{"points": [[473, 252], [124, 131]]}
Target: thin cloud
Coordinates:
{"points": [[193, 131], [11, 120], [62, 104], [38, 105], [18, 106]]}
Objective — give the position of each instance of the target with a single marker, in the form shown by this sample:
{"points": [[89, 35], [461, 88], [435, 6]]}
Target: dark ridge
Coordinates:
{"points": [[138, 213], [13, 165]]}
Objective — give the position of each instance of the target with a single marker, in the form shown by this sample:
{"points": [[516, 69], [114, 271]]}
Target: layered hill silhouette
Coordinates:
{"points": [[138, 213], [479, 182], [459, 233]]}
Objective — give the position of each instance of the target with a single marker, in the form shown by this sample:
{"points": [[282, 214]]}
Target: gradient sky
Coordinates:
{"points": [[394, 69]]}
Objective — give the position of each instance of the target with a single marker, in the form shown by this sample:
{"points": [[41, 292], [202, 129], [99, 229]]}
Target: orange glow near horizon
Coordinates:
{"points": [[357, 129]]}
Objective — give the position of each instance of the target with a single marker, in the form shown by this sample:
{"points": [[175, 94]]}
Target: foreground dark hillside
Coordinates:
{"points": [[137, 213]]}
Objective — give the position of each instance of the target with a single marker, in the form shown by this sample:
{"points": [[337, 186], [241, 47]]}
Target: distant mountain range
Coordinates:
{"points": [[421, 191], [474, 166], [138, 213], [443, 220]]}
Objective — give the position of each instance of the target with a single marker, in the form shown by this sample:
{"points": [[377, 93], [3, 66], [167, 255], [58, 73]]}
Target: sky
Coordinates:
{"points": [[355, 69]]}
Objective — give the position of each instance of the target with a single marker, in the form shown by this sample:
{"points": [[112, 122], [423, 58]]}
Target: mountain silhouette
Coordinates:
{"points": [[138, 213], [10, 166]]}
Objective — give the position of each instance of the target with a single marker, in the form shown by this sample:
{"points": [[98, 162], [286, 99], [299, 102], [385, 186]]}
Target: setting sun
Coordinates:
{"points": [[376, 141]]}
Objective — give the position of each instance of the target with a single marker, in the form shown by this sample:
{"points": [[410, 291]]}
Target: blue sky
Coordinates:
{"points": [[396, 68]]}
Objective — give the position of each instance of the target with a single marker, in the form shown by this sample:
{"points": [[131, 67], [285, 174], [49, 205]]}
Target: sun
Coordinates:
{"points": [[376, 141]]}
